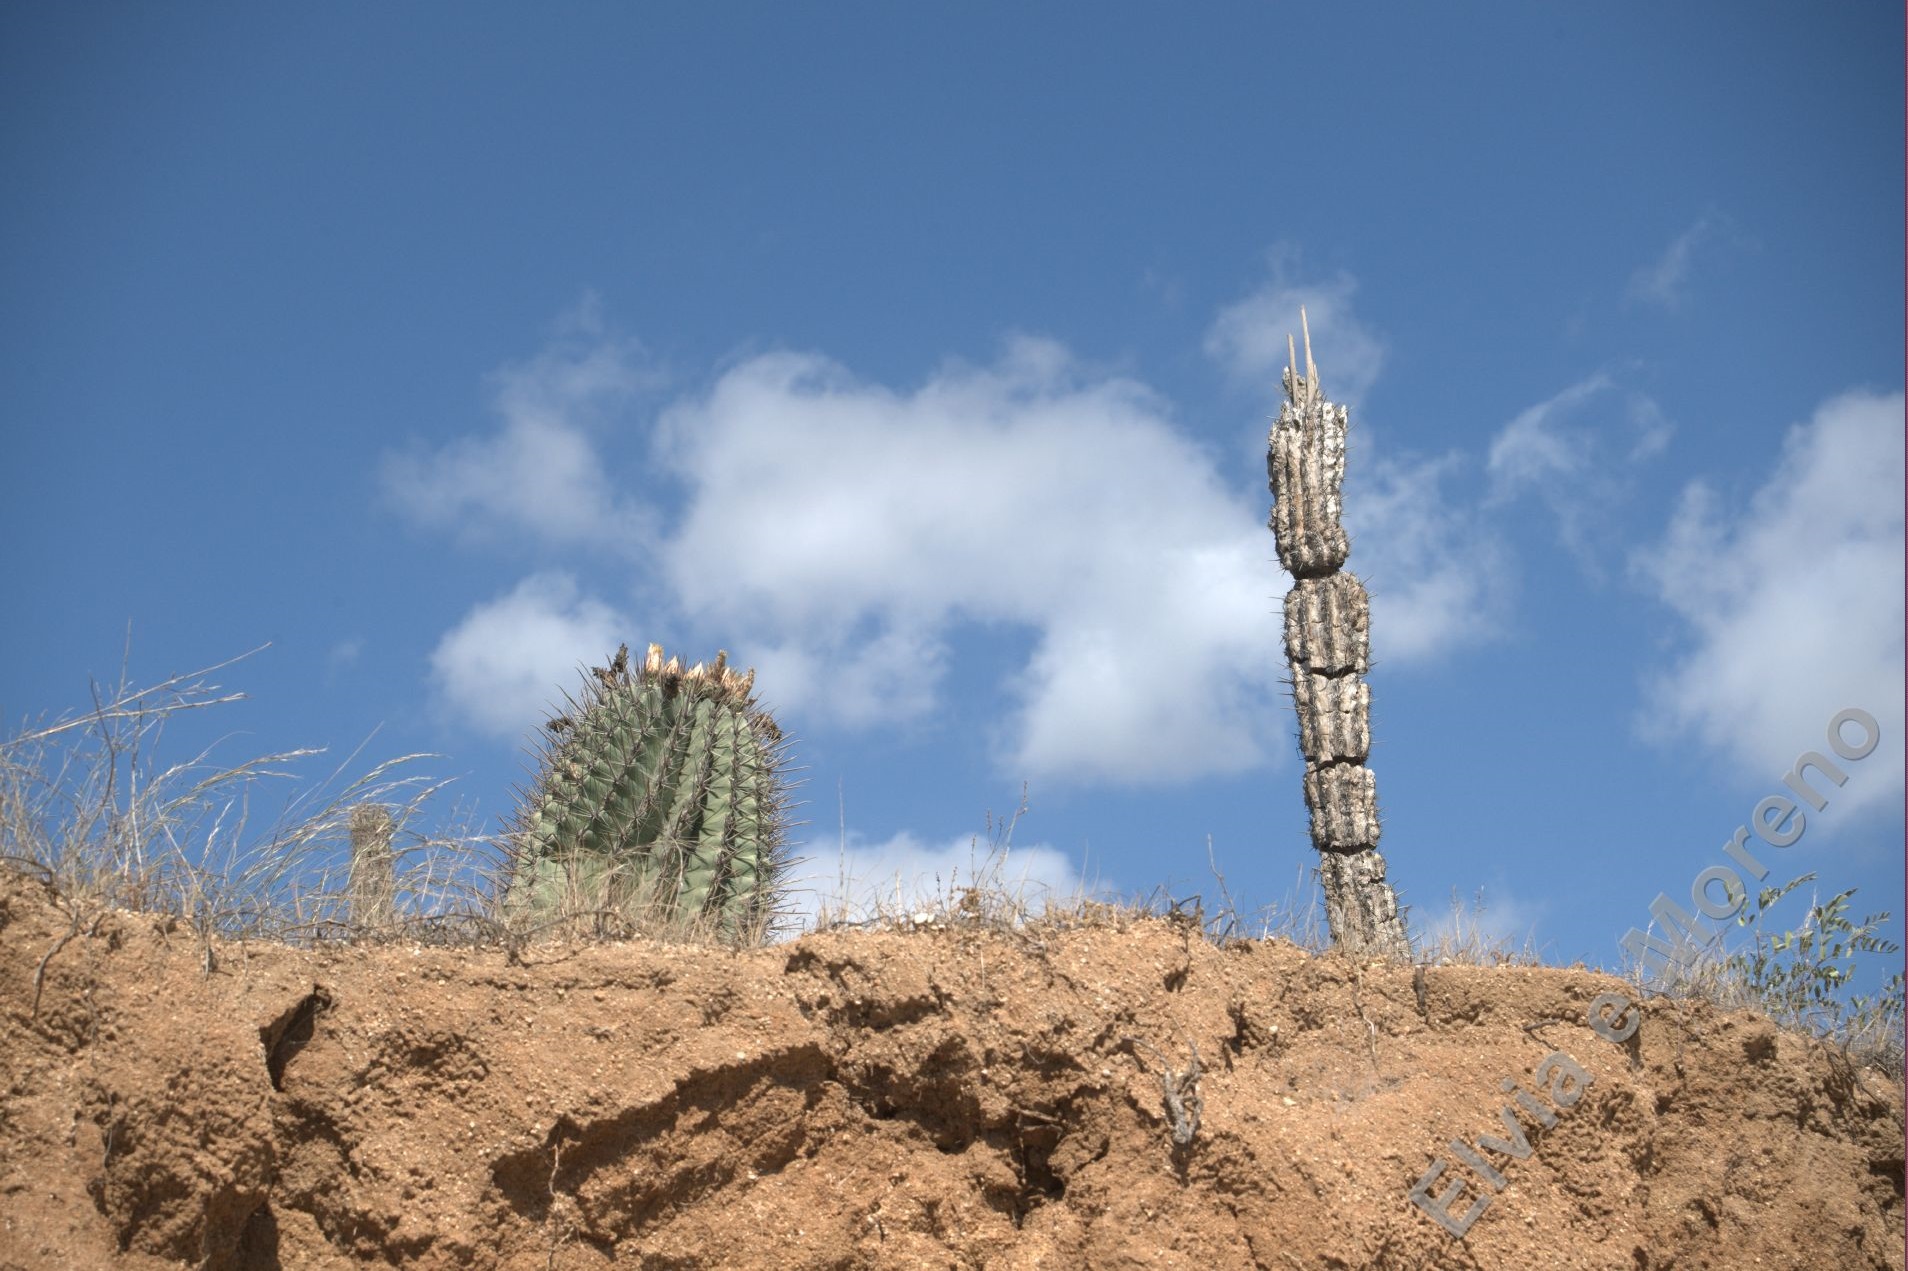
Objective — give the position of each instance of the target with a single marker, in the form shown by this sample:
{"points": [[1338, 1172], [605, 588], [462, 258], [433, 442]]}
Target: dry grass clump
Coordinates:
{"points": [[1469, 941], [85, 804]]}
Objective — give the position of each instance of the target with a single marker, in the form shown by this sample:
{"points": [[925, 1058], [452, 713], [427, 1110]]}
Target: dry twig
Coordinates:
{"points": [[1181, 1090]]}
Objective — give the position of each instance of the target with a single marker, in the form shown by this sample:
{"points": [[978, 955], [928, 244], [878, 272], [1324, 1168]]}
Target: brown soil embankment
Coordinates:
{"points": [[943, 1097]]}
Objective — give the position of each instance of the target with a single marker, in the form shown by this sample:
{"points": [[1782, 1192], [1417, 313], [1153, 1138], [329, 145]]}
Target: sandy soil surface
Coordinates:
{"points": [[940, 1097]]}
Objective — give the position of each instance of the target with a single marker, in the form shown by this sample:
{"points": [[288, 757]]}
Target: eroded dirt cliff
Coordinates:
{"points": [[940, 1097]]}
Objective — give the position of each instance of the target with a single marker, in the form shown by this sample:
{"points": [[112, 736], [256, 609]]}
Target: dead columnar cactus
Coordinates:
{"points": [[1327, 645], [373, 886]]}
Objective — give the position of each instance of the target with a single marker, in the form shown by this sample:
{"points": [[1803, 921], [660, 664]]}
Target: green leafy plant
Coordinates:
{"points": [[660, 802], [1798, 977]]}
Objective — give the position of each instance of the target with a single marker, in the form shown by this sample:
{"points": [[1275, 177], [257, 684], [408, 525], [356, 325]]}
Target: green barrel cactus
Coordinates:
{"points": [[662, 791]]}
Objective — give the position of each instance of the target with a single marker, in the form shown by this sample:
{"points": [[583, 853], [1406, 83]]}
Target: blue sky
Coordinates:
{"points": [[922, 356]]}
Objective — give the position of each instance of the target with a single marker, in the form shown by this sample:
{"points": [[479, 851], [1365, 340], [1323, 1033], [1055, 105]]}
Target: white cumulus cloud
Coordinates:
{"points": [[840, 536], [843, 530], [1792, 602], [503, 668], [1564, 452], [541, 472], [1248, 338], [1438, 575], [906, 874], [1664, 281]]}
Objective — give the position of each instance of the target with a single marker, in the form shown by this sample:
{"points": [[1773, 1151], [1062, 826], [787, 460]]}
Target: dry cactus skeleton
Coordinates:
{"points": [[1327, 646], [373, 878]]}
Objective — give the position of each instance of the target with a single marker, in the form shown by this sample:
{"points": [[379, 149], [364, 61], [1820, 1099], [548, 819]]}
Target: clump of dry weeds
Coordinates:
{"points": [[86, 804]]}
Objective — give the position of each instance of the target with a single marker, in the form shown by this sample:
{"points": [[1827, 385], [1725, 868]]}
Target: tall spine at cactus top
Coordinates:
{"points": [[662, 788], [1327, 647]]}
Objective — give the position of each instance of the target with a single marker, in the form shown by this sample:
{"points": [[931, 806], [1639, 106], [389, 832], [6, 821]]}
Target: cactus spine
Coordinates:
{"points": [[1327, 646], [661, 789]]}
